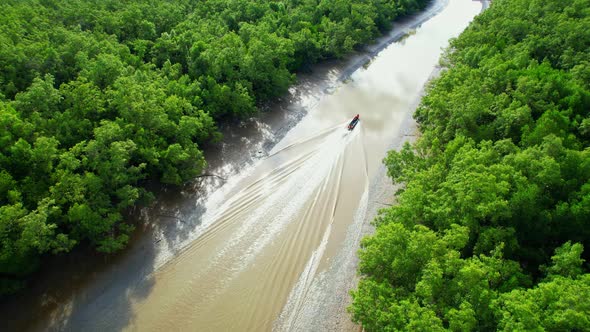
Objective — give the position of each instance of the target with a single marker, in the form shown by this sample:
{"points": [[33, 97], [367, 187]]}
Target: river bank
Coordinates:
{"points": [[334, 316]]}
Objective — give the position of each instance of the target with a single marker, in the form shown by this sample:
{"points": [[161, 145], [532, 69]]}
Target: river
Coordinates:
{"points": [[261, 245]]}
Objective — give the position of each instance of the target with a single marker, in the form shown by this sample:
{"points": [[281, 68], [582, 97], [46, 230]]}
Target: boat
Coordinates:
{"points": [[354, 122]]}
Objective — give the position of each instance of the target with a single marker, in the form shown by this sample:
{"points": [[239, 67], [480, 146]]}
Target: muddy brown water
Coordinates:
{"points": [[240, 251]]}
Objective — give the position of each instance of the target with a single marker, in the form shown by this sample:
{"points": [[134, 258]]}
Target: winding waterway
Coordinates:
{"points": [[261, 251]]}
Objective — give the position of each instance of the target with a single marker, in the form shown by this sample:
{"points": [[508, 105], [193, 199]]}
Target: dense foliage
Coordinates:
{"points": [[98, 96], [491, 226]]}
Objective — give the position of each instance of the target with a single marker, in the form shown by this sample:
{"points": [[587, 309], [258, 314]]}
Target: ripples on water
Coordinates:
{"points": [[261, 239]]}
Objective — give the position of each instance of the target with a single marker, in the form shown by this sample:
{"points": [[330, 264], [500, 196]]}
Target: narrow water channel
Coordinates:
{"points": [[267, 237]]}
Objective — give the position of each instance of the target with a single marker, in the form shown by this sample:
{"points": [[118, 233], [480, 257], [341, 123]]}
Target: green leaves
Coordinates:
{"points": [[415, 277], [567, 261], [556, 305], [402, 165]]}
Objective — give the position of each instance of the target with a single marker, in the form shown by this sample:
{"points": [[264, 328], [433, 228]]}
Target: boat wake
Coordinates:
{"points": [[274, 232]]}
